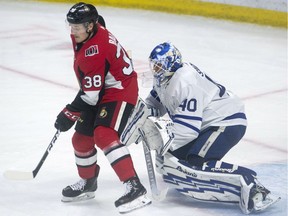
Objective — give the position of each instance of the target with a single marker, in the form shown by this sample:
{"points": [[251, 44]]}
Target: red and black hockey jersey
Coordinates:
{"points": [[104, 71]]}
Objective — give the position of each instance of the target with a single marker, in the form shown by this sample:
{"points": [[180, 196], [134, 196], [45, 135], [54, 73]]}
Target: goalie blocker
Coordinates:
{"points": [[215, 181]]}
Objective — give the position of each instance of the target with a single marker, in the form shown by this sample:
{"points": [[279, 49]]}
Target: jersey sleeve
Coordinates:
{"points": [[120, 78], [79, 104], [120, 65]]}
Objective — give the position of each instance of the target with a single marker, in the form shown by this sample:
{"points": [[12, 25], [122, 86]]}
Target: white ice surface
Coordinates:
{"points": [[37, 81]]}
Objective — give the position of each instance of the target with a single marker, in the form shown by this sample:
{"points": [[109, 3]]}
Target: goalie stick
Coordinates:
{"points": [[156, 194], [22, 175]]}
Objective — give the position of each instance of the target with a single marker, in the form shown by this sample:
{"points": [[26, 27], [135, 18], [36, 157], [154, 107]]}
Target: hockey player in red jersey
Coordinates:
{"points": [[108, 93]]}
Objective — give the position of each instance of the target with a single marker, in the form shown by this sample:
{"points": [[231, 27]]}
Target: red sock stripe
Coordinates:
{"points": [[124, 168]]}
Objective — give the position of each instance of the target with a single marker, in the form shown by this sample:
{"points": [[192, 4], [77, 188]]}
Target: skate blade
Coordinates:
{"points": [[140, 202], [270, 199], [81, 197]]}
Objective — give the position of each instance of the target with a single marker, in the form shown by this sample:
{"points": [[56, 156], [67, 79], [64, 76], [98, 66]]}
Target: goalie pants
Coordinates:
{"points": [[211, 144], [102, 126]]}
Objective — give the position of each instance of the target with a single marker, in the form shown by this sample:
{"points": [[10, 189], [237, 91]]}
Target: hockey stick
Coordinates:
{"points": [[156, 194], [22, 175]]}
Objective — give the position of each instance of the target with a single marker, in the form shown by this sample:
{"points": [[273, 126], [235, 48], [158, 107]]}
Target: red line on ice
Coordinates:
{"points": [[37, 77], [73, 88]]}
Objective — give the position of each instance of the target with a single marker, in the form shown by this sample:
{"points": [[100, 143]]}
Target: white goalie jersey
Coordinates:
{"points": [[194, 102]]}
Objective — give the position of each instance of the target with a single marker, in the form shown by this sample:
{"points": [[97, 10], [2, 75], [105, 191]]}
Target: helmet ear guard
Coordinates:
{"points": [[165, 59]]}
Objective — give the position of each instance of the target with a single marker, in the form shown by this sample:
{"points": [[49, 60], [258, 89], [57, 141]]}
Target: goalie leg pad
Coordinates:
{"points": [[231, 184], [246, 205], [136, 120], [201, 185]]}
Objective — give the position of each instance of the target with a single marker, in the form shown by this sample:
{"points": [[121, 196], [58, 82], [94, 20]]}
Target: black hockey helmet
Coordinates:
{"points": [[82, 13]]}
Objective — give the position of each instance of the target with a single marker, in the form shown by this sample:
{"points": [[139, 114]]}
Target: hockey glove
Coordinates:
{"points": [[66, 118]]}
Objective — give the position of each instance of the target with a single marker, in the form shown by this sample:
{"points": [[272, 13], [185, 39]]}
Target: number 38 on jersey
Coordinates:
{"points": [[92, 82]]}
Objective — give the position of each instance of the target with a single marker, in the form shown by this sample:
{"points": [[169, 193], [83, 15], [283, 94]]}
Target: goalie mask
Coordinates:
{"points": [[164, 60]]}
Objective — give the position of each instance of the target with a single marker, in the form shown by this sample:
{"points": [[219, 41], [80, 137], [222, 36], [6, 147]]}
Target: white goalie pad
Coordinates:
{"points": [[206, 186], [136, 120], [211, 186]]}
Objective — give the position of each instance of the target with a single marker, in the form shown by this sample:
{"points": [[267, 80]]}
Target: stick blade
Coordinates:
{"points": [[18, 175], [160, 195]]}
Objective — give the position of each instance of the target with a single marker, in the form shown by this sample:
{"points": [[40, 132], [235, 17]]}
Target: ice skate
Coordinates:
{"points": [[134, 197], [82, 190]]}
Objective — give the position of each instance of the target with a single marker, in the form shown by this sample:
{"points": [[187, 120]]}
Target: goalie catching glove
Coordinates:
{"points": [[158, 134], [66, 118]]}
